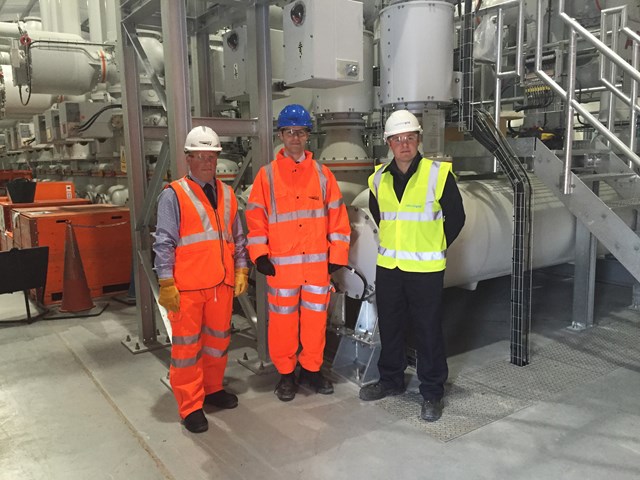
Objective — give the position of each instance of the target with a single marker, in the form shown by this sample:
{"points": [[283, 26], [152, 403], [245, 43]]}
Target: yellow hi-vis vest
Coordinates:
{"points": [[412, 230]]}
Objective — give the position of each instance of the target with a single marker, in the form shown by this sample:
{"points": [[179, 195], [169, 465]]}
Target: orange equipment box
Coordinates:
{"points": [[6, 206], [103, 234], [54, 191]]}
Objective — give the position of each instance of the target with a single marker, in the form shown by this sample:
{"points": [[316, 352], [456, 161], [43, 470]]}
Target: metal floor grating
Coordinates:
{"points": [[468, 406], [481, 396]]}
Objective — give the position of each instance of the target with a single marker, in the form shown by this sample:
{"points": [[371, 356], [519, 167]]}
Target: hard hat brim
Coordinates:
{"points": [[202, 149]]}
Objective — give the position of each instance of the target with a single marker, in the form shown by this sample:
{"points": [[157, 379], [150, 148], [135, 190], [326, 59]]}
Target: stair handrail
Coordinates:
{"points": [[571, 104], [519, 63]]}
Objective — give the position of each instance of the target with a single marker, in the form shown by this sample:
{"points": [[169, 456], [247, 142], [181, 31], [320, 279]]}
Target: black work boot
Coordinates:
{"points": [[196, 422], [378, 390], [316, 381], [431, 410], [221, 399], [286, 388]]}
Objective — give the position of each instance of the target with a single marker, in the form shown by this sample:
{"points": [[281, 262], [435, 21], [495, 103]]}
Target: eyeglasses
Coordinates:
{"points": [[290, 133], [398, 139], [205, 156]]}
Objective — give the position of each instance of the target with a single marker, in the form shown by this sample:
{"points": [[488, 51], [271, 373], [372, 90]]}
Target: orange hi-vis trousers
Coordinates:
{"points": [[297, 315], [200, 340]]}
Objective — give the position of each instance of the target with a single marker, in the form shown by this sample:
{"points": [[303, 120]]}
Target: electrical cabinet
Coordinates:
{"points": [[236, 64], [323, 43]]}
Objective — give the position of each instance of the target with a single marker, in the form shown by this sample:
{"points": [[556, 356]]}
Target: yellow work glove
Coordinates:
{"points": [[242, 281], [169, 296]]}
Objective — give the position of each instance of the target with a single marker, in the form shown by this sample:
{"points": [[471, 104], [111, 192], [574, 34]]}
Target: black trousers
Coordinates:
{"points": [[409, 304]]}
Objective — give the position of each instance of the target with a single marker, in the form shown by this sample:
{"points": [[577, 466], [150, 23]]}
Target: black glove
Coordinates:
{"points": [[265, 267], [334, 268]]}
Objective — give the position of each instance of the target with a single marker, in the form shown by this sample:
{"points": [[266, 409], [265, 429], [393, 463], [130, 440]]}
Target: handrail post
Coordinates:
{"points": [[633, 115], [498, 84], [611, 110], [567, 186]]}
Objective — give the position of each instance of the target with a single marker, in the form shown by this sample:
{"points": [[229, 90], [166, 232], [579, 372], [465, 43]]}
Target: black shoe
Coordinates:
{"points": [[196, 422], [316, 381], [431, 410], [221, 399], [379, 390], [286, 388]]}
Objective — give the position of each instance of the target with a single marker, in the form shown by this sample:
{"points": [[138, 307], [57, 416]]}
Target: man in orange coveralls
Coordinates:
{"points": [[298, 235], [201, 262]]}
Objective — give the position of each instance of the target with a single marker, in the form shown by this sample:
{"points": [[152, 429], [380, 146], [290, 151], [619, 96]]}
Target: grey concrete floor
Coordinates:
{"points": [[75, 404]]}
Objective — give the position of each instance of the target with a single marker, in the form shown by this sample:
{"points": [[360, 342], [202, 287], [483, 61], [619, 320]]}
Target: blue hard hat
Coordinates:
{"points": [[294, 115]]}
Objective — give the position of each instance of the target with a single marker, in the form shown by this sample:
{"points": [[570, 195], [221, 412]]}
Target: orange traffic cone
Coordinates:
{"points": [[76, 296]]}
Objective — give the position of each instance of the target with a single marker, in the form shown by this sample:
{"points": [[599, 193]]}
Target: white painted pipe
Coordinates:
{"points": [[45, 15], [97, 31], [483, 248], [68, 12], [110, 20]]}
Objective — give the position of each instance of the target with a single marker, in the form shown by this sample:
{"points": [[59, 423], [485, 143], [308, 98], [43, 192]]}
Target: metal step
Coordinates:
{"points": [[597, 216], [627, 202], [578, 151], [595, 177]]}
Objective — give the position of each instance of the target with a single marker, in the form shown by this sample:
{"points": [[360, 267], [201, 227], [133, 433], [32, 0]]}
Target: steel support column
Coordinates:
{"points": [[584, 278], [137, 181], [174, 32], [261, 108]]}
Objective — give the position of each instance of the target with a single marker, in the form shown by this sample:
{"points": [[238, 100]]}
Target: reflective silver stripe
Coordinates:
{"points": [[283, 292], [185, 362], [293, 259], [417, 256], [296, 215], [256, 240], [189, 340], [433, 185], [226, 196], [283, 309], [272, 194], [377, 178], [199, 237], [316, 307], [214, 352], [315, 289], [323, 180], [202, 213], [426, 216], [216, 333], [338, 236], [335, 204], [255, 206]]}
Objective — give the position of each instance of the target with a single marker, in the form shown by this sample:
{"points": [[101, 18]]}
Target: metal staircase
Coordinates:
{"points": [[601, 217], [577, 173]]}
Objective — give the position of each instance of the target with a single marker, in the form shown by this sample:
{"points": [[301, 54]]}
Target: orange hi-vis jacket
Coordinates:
{"points": [[204, 254], [296, 216]]}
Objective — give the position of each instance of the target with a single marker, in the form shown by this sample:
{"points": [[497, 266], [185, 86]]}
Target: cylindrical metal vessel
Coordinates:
{"points": [[416, 53], [483, 249]]}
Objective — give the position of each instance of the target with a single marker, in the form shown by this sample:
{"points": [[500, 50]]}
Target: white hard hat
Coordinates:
{"points": [[401, 121], [201, 139]]}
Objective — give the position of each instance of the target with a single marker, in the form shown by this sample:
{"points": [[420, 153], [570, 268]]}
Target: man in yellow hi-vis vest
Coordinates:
{"points": [[417, 205]]}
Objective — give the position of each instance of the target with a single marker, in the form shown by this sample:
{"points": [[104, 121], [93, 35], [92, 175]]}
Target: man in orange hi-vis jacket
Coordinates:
{"points": [[298, 235], [201, 262]]}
